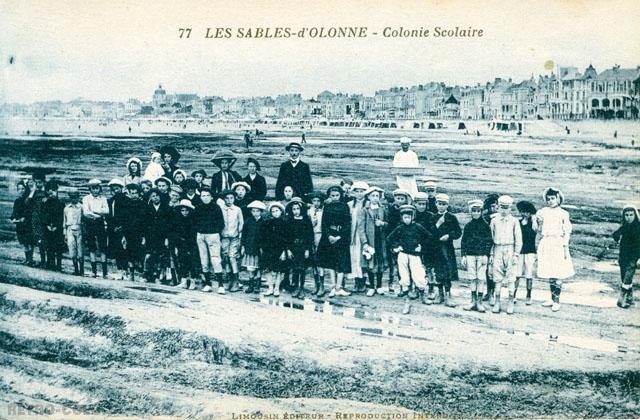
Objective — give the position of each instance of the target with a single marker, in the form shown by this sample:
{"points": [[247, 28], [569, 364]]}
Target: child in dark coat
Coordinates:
{"points": [[334, 248], [184, 240], [274, 241], [250, 245], [527, 260], [447, 230], [53, 221], [300, 244], [400, 198], [21, 217], [628, 236], [475, 248], [133, 228]]}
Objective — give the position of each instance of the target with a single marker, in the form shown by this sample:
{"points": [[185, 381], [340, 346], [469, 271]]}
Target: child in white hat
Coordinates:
{"points": [[507, 244], [250, 245], [154, 169], [446, 267]]}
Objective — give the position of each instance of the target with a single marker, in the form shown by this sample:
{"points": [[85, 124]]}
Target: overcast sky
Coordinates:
{"points": [[117, 50]]}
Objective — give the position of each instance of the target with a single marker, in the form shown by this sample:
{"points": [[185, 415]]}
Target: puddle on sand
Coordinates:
{"points": [[152, 289]]}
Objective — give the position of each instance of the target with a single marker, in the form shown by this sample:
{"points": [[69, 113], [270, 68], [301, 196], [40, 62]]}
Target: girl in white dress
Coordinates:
{"points": [[554, 259]]}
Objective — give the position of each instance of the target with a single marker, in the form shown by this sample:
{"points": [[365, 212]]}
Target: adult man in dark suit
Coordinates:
{"points": [[226, 177], [294, 173]]}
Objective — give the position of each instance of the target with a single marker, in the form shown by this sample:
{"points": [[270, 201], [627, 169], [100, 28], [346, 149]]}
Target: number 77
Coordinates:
{"points": [[184, 32]]}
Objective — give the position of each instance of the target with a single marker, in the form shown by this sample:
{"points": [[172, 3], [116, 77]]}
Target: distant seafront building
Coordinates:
{"points": [[564, 94]]}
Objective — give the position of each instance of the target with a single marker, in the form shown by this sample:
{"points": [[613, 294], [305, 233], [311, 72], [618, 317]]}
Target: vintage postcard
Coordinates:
{"points": [[331, 210]]}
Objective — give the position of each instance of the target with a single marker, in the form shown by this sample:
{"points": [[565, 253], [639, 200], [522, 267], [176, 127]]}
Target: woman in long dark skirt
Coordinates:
{"points": [[333, 250]]}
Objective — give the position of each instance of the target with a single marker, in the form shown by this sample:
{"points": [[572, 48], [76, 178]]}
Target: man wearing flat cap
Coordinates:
{"points": [[294, 173]]}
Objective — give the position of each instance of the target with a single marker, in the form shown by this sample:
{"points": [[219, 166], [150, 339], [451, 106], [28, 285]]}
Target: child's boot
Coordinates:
{"points": [[473, 305], [132, 274], [529, 287], [301, 293], [233, 284], [104, 270], [174, 277], [440, 298], [448, 302], [75, 266], [549, 303], [432, 293], [207, 282], [321, 291], [510, 305], [629, 299], [316, 282], [94, 269], [250, 285], [479, 306], [219, 280], [183, 283], [81, 267], [406, 308], [556, 299], [496, 299], [622, 299]]}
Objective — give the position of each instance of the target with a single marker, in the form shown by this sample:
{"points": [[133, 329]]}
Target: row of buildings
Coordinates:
{"points": [[565, 94]]}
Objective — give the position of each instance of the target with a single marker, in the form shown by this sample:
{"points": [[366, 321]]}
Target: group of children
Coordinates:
{"points": [[186, 231]]}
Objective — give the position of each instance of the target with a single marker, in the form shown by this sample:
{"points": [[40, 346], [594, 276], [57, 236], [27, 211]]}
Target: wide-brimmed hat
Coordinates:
{"points": [[179, 171], [136, 160], [296, 200], [257, 205], [189, 184], [176, 188], [315, 194], [360, 185], [405, 140], [241, 184], [116, 181], [294, 144], [526, 207], [223, 154], [372, 189], [199, 171], [255, 162], [94, 182], [170, 150], [185, 203], [553, 191], [163, 178], [276, 204]]}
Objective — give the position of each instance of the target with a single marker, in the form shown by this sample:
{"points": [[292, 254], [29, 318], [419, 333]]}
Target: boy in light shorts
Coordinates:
{"points": [[231, 237], [475, 248], [527, 260], [507, 243]]}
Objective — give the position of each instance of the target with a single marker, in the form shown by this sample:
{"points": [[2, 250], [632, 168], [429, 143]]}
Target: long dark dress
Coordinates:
{"points": [[24, 230], [274, 239], [336, 221], [301, 240]]}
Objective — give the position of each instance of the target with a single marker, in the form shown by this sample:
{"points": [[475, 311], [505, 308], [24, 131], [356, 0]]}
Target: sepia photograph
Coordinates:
{"points": [[258, 210]]}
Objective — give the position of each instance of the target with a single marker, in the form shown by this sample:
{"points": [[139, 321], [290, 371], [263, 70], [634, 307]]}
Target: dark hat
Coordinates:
{"points": [[154, 190], [74, 194], [407, 209], [227, 192], [170, 150], [146, 181], [39, 173], [335, 188], [223, 154], [255, 162], [51, 185], [316, 194], [294, 144], [163, 178], [189, 184], [526, 207], [199, 171], [133, 186]]}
